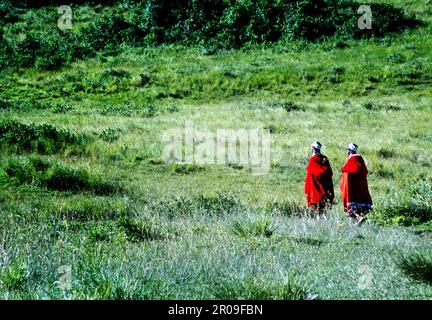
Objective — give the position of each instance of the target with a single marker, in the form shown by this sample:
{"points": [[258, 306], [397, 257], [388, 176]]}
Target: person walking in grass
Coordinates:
{"points": [[356, 199], [319, 184]]}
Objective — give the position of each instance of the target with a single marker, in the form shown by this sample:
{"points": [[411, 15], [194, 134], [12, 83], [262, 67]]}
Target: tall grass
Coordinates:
{"points": [[417, 266], [83, 184]]}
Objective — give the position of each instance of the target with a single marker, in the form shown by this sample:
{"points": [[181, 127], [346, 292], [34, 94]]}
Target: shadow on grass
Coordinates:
{"points": [[417, 265]]}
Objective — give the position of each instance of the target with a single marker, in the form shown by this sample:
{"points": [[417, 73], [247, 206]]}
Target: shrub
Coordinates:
{"points": [[252, 21], [417, 266], [251, 289], [63, 178], [45, 139], [22, 106], [185, 168], [377, 107], [286, 207], [13, 276], [57, 176], [110, 30], [386, 153], [213, 24], [141, 230], [286, 105], [410, 206], [88, 209], [109, 135], [218, 203], [260, 228], [49, 49], [317, 19], [8, 12], [24, 172]]}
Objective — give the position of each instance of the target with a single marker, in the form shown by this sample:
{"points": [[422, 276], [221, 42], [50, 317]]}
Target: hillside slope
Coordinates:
{"points": [[84, 190]]}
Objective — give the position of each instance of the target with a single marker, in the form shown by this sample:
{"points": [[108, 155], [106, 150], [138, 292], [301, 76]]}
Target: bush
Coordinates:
{"points": [[251, 289], [13, 276], [141, 230], [185, 168], [289, 106], [417, 266], [377, 107], [286, 208], [213, 24], [63, 178], [318, 19], [21, 106], [218, 203], [109, 31], [110, 135], [88, 208], [260, 228], [57, 176], [47, 50], [25, 172], [411, 206], [45, 139]]}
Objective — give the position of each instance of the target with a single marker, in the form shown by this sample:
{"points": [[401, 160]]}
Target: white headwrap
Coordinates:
{"points": [[352, 147], [316, 145]]}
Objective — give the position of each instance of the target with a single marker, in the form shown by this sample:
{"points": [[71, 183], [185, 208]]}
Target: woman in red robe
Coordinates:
{"points": [[356, 198], [319, 184]]}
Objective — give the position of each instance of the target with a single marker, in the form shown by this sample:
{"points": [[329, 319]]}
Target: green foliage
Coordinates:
{"points": [[218, 203], [309, 241], [323, 18], [47, 50], [209, 23], [44, 139], [110, 135], [185, 168], [253, 289], [57, 176], [22, 106], [377, 107], [287, 207], [262, 227], [286, 105], [411, 206], [110, 30], [13, 276], [63, 178], [418, 266], [141, 230], [225, 243], [88, 209]]}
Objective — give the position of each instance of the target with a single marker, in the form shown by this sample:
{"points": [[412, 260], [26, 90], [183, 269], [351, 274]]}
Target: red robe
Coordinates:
{"points": [[354, 185], [319, 184]]}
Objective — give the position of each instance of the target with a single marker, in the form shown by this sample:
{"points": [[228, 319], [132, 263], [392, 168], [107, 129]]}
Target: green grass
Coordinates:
{"points": [[131, 226], [418, 266]]}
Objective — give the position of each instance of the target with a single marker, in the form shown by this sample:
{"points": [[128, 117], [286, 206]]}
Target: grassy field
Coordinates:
{"points": [[89, 210]]}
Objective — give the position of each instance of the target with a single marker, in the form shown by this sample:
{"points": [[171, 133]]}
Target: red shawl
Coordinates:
{"points": [[354, 185], [318, 184]]}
